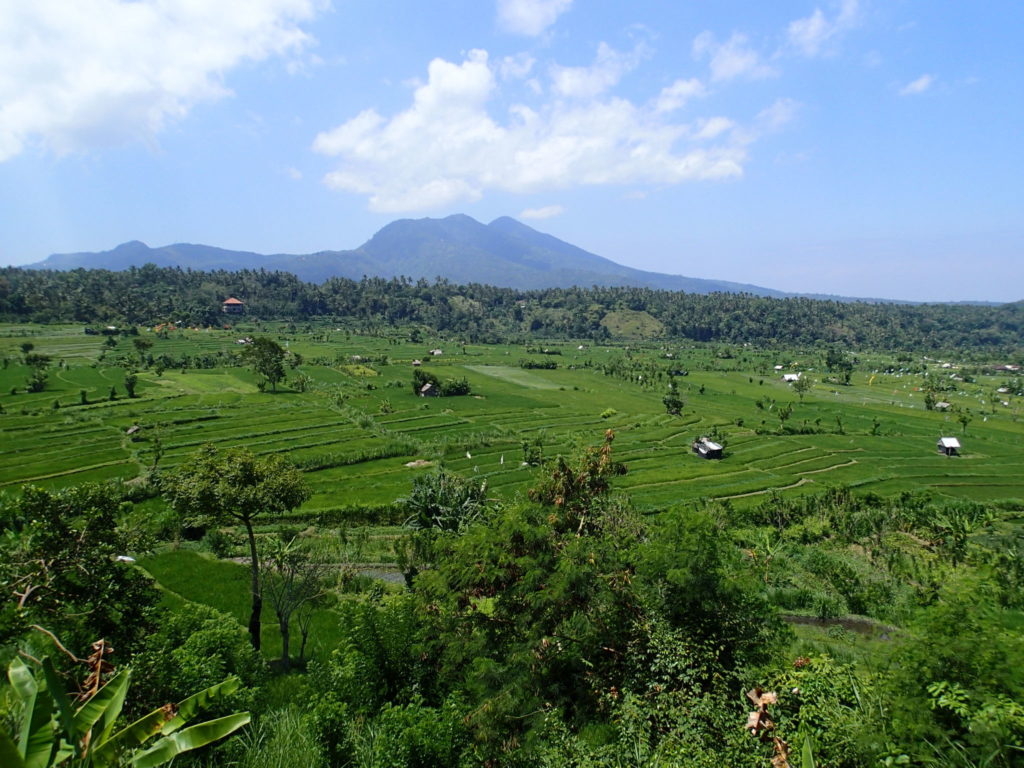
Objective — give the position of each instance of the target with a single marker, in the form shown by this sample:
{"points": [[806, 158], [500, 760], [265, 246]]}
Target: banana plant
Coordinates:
{"points": [[58, 731]]}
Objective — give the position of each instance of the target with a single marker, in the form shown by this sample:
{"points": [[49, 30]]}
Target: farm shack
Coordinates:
{"points": [[233, 306], [706, 448], [950, 446], [430, 390], [789, 378]]}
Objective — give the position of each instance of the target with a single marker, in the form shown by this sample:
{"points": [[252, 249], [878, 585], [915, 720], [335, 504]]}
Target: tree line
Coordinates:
{"points": [[480, 313]]}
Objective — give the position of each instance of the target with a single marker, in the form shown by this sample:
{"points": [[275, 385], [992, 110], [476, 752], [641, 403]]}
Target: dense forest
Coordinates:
{"points": [[480, 313]]}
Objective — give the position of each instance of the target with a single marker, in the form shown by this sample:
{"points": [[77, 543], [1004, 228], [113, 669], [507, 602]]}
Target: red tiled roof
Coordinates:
{"points": [[233, 300]]}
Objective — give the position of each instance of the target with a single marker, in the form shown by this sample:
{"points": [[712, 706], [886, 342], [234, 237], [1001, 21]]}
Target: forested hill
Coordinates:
{"points": [[475, 312], [505, 252]]}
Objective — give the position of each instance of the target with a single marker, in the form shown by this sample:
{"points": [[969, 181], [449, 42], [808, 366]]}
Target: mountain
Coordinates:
{"points": [[504, 253]]}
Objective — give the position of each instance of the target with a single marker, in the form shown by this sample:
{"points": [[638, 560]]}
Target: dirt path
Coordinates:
{"points": [[797, 484]]}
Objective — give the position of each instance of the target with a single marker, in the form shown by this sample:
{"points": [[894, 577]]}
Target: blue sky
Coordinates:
{"points": [[857, 147]]}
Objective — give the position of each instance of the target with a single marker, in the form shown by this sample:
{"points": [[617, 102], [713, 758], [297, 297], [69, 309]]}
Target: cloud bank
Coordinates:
{"points": [[447, 147], [92, 73]]}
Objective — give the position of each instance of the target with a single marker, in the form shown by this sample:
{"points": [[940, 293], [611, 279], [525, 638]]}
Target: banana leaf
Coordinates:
{"points": [[104, 707], [169, 747], [36, 743], [162, 720], [65, 712], [188, 708]]}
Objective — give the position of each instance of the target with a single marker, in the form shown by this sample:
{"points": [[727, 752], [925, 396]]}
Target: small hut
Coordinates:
{"points": [[706, 448], [949, 446], [430, 390], [233, 306]]}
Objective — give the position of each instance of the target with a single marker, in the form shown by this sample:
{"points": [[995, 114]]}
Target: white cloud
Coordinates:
{"points": [[517, 67], [446, 147], [530, 17], [88, 73], [731, 59], [781, 112], [922, 84], [712, 128], [676, 96], [587, 82], [812, 35], [547, 212]]}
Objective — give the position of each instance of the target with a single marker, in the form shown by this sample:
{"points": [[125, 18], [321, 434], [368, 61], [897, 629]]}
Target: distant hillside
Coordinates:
{"points": [[504, 253]]}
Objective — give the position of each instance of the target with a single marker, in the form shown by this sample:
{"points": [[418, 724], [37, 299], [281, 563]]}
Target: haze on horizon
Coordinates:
{"points": [[852, 147]]}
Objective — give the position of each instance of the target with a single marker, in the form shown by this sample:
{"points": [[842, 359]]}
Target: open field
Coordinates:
{"points": [[358, 423]]}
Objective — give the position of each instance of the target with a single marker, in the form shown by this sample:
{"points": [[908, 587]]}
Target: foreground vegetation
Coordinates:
{"points": [[535, 569]]}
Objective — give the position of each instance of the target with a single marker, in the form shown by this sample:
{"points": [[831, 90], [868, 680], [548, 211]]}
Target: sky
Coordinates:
{"points": [[870, 148]]}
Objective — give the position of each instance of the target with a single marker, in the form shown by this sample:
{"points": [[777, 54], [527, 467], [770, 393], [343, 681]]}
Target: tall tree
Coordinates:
{"points": [[802, 386], [673, 402], [235, 485], [266, 357]]}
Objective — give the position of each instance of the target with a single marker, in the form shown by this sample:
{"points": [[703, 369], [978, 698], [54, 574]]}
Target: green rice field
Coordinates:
{"points": [[362, 435]]}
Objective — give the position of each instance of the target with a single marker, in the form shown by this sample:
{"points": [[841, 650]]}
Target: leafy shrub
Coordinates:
{"points": [[194, 647], [219, 542]]}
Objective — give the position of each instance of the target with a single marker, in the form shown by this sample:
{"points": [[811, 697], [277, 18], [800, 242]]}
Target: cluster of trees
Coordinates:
{"points": [[149, 295], [446, 388]]}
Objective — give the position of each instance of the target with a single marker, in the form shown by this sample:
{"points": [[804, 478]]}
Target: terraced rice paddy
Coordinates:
{"points": [[358, 424]]}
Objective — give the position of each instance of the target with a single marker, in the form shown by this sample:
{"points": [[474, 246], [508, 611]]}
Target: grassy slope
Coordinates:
{"points": [[224, 585]]}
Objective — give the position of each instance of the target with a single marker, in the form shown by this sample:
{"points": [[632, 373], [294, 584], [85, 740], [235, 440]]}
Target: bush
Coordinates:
{"points": [[194, 647], [455, 387], [219, 542]]}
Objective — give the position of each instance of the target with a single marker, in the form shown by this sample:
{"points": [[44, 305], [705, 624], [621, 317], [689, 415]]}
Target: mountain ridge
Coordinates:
{"points": [[504, 253]]}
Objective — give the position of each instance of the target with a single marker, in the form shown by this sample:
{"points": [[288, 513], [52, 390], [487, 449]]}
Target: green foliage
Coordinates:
{"points": [[444, 501], [131, 379], [831, 705], [956, 682], [292, 578], [57, 730], [266, 357], [193, 647], [409, 736], [672, 402], [281, 739], [421, 378], [455, 387], [219, 542], [481, 311], [702, 587], [573, 485], [802, 386], [58, 568], [236, 486]]}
